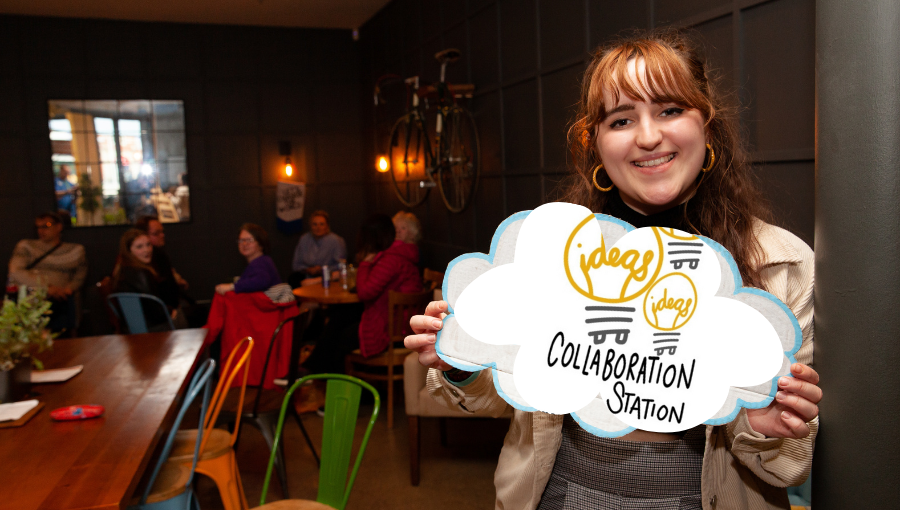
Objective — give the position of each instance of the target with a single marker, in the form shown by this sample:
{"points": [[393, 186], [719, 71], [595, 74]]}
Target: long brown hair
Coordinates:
{"points": [[726, 200], [126, 258]]}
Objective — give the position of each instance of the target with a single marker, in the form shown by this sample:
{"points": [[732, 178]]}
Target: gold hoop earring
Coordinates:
{"points": [[611, 186], [712, 159]]}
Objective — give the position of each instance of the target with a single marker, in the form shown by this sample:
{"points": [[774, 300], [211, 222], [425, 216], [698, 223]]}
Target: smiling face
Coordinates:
{"points": [[248, 246], [318, 225], [142, 249], [652, 151]]}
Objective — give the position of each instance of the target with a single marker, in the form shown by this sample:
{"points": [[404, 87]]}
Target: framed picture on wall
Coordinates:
{"points": [[117, 160]]}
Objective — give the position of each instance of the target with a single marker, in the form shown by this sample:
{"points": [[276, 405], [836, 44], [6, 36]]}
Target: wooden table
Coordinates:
{"points": [[97, 463], [333, 295]]}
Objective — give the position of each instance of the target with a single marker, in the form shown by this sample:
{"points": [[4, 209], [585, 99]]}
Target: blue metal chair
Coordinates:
{"points": [[170, 485], [801, 496], [129, 303]]}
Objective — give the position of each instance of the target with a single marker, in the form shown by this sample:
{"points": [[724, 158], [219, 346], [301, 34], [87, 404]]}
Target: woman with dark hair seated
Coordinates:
{"points": [[133, 273], [385, 263], [260, 273], [258, 303]]}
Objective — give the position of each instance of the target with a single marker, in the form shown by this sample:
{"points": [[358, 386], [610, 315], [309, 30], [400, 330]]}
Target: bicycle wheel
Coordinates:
{"points": [[459, 159], [408, 155]]}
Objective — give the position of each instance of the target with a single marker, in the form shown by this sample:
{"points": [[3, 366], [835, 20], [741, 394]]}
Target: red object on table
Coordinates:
{"points": [[253, 314], [76, 412]]}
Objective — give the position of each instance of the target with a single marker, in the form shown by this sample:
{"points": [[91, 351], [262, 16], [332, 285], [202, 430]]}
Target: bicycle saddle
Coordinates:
{"points": [[449, 55]]}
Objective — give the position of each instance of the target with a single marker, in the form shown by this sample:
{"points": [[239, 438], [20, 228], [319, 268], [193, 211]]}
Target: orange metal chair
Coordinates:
{"points": [[217, 458]]}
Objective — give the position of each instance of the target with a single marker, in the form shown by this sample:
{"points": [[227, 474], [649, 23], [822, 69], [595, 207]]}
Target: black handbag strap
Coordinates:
{"points": [[42, 257]]}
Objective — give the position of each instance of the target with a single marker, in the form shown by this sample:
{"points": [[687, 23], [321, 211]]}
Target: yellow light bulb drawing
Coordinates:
{"points": [[671, 302]]}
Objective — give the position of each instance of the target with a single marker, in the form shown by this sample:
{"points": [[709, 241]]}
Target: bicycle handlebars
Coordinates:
{"points": [[450, 55]]}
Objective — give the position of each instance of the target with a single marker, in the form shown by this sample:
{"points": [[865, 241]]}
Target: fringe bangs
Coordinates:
{"points": [[666, 79]]}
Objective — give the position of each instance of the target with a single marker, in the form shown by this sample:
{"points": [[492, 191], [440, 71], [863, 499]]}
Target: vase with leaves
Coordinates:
{"points": [[23, 333]]}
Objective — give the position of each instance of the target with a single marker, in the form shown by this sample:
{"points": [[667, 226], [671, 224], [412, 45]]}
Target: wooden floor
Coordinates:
{"points": [[457, 476]]}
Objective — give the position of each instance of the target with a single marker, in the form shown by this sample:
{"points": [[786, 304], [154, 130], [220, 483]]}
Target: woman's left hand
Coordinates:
{"points": [[795, 404], [222, 288]]}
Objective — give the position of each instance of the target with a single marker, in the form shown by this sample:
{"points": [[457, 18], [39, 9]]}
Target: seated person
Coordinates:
{"points": [[170, 282], [318, 247], [408, 227], [388, 263], [260, 273], [57, 266], [172, 287], [134, 273]]}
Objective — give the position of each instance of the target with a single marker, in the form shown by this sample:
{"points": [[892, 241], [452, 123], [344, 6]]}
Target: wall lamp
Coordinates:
{"points": [[382, 164], [284, 148]]}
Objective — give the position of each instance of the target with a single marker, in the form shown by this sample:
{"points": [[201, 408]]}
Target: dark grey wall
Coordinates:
{"points": [[244, 89], [526, 58], [858, 241]]}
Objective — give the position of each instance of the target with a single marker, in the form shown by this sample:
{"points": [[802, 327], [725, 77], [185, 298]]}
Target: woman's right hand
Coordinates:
{"points": [[425, 328]]}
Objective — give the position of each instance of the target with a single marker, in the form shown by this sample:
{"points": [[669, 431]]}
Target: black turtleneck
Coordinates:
{"points": [[674, 217]]}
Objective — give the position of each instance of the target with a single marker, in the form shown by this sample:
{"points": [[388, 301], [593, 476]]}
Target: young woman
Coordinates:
{"points": [[654, 145], [260, 273], [134, 273]]}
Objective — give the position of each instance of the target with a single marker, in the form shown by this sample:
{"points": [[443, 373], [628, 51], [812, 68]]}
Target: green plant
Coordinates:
{"points": [[114, 215], [23, 328], [90, 195]]}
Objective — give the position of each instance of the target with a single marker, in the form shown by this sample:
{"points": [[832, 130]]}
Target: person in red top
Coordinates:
{"points": [[387, 262], [392, 269]]}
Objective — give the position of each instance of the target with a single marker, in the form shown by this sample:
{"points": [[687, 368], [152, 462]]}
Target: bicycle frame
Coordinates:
{"points": [[451, 165]]}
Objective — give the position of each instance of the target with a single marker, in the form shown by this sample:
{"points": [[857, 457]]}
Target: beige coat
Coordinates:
{"points": [[742, 469]]}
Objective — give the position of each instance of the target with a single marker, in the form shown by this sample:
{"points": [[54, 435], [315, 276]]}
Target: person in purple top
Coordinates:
{"points": [[261, 273]]}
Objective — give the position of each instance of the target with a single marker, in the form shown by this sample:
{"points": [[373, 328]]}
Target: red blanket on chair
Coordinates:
{"points": [[236, 316]]}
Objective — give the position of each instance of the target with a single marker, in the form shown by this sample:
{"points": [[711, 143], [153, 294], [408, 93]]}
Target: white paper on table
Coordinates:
{"points": [[55, 375], [16, 410]]}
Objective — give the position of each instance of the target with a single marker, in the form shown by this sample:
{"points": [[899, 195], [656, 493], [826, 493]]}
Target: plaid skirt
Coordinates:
{"points": [[612, 474]]}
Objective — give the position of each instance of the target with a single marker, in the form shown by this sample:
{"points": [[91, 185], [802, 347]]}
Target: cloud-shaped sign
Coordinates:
{"points": [[580, 313]]}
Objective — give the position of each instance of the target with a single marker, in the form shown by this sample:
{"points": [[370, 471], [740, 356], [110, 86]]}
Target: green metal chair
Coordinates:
{"points": [[170, 485], [342, 397]]}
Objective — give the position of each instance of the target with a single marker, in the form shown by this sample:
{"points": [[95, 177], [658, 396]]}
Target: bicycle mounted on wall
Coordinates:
{"points": [[452, 161]]}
